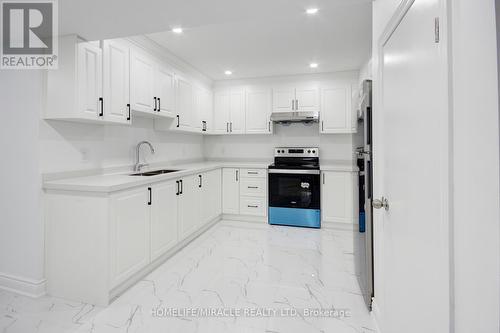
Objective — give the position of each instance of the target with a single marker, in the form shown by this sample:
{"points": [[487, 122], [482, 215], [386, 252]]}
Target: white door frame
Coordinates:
{"points": [[446, 149]]}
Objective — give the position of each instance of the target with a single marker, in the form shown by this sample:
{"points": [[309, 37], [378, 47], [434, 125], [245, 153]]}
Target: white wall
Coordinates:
{"points": [[69, 146], [476, 166], [21, 227], [260, 147]]}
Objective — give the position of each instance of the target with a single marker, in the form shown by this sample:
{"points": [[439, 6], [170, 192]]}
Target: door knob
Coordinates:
{"points": [[379, 203]]}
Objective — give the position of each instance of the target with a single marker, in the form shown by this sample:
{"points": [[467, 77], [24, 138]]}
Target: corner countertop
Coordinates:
{"points": [[112, 182]]}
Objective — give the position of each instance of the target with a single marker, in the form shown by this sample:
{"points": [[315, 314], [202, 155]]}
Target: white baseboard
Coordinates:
{"points": [[23, 286], [376, 315]]}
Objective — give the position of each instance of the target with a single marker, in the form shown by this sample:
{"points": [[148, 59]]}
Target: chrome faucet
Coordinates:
{"points": [[138, 165]]}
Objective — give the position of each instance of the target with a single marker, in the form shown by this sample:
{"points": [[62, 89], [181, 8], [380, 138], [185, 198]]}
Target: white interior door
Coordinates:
{"points": [[412, 153], [116, 81]]}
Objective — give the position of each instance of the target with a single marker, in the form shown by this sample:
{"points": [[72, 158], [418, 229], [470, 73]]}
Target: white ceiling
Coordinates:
{"points": [[253, 38]]}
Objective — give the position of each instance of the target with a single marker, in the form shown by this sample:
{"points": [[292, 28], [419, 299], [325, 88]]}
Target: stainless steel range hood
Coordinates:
{"points": [[295, 117]]}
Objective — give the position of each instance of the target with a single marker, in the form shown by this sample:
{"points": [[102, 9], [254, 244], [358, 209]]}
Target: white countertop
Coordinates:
{"points": [[111, 182]]}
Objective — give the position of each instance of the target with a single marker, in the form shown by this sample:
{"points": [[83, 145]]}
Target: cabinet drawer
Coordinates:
{"points": [[253, 187], [253, 206], [253, 173]]}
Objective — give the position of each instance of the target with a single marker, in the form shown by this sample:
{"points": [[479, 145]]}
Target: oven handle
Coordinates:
{"points": [[296, 172]]}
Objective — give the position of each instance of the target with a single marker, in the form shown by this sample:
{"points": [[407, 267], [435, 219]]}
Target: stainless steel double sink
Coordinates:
{"points": [[153, 173]]}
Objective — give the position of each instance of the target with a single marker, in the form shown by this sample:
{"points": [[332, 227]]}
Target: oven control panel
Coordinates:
{"points": [[296, 152]]}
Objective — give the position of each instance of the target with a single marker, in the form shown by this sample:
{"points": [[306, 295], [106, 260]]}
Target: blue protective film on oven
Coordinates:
{"points": [[297, 217]]}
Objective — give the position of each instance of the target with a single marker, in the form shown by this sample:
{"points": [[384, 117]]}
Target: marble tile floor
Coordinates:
{"points": [[252, 277]]}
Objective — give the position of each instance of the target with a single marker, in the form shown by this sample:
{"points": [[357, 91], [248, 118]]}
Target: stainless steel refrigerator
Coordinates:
{"points": [[364, 244]]}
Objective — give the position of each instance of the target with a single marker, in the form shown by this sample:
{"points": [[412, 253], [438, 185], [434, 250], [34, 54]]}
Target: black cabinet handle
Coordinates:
{"points": [[155, 103], [227, 127], [178, 121], [237, 171], [182, 187], [178, 191], [201, 181], [252, 206], [128, 107], [269, 125], [252, 186], [159, 104], [101, 101], [150, 196], [231, 127], [204, 126]]}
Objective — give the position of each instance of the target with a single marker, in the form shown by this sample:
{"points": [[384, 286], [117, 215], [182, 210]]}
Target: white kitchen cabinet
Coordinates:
{"points": [[258, 111], [222, 112], [303, 99], [129, 241], [211, 198], [164, 217], [337, 114], [184, 104], [74, 91], [237, 105], [229, 111], [165, 90], [189, 206], [142, 82], [230, 191], [202, 109], [116, 81], [339, 197]]}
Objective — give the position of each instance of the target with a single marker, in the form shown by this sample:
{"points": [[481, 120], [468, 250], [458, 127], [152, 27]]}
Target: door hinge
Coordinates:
{"points": [[436, 30]]}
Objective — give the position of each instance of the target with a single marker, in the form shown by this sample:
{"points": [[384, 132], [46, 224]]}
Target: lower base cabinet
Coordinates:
{"points": [[99, 243], [339, 197], [244, 192]]}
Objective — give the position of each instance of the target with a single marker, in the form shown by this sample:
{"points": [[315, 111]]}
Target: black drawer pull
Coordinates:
{"points": [[150, 196], [252, 186], [252, 173], [251, 206]]}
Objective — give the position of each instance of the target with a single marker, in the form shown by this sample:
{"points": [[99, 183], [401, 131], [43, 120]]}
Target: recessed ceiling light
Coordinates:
{"points": [[177, 30], [313, 65], [312, 11], [228, 72]]}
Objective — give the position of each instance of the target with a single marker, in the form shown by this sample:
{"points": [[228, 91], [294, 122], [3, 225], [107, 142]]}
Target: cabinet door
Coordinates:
{"points": [[184, 100], [222, 109], [163, 218], [307, 99], [211, 195], [337, 197], [208, 110], [237, 106], [336, 110], [116, 87], [283, 99], [165, 91], [142, 82], [129, 231], [198, 106], [230, 191], [89, 80], [258, 111], [189, 206]]}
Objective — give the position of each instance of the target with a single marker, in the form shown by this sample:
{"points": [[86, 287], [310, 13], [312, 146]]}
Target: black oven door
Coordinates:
{"points": [[294, 188]]}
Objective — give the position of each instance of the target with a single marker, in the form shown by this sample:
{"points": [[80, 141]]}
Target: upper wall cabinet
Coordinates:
{"points": [[337, 114], [258, 111], [116, 81], [202, 108], [229, 111], [75, 91], [152, 86], [184, 104], [295, 99]]}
